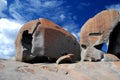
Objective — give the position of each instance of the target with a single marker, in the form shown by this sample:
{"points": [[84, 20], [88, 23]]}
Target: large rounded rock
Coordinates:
{"points": [[99, 30], [42, 37]]}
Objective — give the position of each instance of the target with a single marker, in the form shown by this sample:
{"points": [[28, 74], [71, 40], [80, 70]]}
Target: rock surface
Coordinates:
{"points": [[91, 54], [97, 31], [12, 70], [44, 38], [110, 58]]}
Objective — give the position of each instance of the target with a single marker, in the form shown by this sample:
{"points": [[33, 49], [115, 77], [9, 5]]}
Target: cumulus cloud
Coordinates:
{"points": [[8, 33], [114, 6]]}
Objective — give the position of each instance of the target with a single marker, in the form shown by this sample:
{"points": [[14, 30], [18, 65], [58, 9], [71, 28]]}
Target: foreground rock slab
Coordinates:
{"points": [[12, 70]]}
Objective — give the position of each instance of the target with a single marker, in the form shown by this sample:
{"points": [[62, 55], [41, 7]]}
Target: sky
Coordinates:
{"points": [[69, 14]]}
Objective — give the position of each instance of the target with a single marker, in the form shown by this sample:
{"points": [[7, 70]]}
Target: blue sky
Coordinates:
{"points": [[70, 14]]}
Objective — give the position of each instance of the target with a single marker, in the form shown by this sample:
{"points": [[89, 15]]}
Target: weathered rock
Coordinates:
{"points": [[13, 70], [99, 30], [43, 38], [92, 54], [110, 58]]}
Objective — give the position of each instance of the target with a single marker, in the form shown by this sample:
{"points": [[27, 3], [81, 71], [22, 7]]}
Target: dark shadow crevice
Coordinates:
{"points": [[83, 46], [41, 59], [26, 41], [114, 41], [99, 46], [95, 34]]}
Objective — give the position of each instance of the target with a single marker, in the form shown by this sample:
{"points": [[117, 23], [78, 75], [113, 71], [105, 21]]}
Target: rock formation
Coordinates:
{"points": [[13, 70], [43, 39], [92, 54], [102, 28], [110, 58]]}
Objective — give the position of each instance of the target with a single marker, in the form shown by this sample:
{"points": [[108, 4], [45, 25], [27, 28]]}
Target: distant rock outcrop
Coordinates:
{"points": [[102, 28], [43, 39]]}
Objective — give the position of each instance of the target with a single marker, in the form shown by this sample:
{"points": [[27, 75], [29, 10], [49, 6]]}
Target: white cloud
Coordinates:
{"points": [[114, 6], [3, 7], [52, 3], [8, 33], [28, 9], [62, 16]]}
